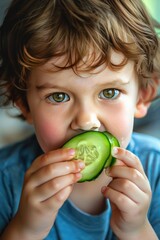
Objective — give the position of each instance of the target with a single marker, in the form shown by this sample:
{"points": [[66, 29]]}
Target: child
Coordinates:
{"points": [[73, 66]]}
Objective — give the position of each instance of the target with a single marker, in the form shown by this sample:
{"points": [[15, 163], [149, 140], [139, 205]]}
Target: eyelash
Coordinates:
{"points": [[65, 97], [112, 91]]}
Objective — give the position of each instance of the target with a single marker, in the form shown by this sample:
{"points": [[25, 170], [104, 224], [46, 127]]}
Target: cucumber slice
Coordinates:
{"points": [[114, 143], [94, 148]]}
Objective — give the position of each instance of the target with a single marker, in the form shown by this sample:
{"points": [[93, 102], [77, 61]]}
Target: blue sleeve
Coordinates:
{"points": [[147, 148], [5, 202], [11, 181], [153, 174]]}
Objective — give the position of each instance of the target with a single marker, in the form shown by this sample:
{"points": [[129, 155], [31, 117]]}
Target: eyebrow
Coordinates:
{"points": [[48, 85]]}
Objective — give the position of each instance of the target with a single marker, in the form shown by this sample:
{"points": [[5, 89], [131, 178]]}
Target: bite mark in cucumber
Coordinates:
{"points": [[94, 148]]}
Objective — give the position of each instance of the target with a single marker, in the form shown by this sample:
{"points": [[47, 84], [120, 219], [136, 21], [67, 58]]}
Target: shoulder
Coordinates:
{"points": [[15, 159], [18, 153], [147, 149], [144, 143]]}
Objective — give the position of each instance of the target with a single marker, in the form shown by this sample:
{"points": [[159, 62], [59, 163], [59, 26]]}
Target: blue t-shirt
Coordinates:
{"points": [[72, 223]]}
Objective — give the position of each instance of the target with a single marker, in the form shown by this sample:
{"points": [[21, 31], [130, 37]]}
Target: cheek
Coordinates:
{"points": [[121, 124], [124, 130], [50, 133]]}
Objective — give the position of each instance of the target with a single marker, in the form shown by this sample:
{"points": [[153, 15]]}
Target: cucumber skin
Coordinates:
{"points": [[108, 137], [114, 143]]}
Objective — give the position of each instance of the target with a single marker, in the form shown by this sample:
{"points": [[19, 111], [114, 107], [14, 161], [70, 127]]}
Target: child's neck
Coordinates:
{"points": [[87, 196]]}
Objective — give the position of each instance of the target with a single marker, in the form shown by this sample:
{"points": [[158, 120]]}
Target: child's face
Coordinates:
{"points": [[63, 104]]}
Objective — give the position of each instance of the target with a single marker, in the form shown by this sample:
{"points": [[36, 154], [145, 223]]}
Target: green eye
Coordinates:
{"points": [[58, 97], [109, 93]]}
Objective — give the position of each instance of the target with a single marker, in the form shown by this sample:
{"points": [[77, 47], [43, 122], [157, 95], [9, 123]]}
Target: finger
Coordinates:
{"points": [[120, 200], [119, 163], [54, 170], [128, 158], [129, 189], [130, 174], [51, 157], [56, 201], [52, 187]]}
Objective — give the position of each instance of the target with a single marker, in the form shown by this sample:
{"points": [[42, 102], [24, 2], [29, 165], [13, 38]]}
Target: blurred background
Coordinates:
{"points": [[13, 129], [151, 123]]}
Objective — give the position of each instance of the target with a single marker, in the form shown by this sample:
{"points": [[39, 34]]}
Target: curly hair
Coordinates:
{"points": [[33, 32]]}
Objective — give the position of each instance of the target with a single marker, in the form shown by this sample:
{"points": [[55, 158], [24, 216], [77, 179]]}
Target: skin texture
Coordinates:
{"points": [[81, 113], [52, 177]]}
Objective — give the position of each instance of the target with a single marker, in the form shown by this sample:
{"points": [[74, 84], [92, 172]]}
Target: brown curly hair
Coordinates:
{"points": [[33, 32]]}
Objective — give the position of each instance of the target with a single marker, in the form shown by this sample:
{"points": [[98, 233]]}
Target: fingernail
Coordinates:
{"points": [[81, 164], [107, 171], [103, 189], [71, 152], [114, 151], [78, 176]]}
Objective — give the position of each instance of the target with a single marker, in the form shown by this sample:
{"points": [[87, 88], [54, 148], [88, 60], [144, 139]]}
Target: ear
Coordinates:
{"points": [[145, 96], [141, 108], [25, 111]]}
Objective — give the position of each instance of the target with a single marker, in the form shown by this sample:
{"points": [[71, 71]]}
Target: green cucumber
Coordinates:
{"points": [[94, 148], [114, 143]]}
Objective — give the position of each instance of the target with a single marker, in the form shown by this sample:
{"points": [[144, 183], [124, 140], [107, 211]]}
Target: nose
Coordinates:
{"points": [[86, 120]]}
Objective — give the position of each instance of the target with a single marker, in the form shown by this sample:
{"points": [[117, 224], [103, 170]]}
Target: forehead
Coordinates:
{"points": [[49, 72], [56, 63]]}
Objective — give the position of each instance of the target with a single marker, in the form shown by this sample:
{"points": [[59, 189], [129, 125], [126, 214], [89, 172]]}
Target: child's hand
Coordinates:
{"points": [[48, 183], [129, 194]]}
